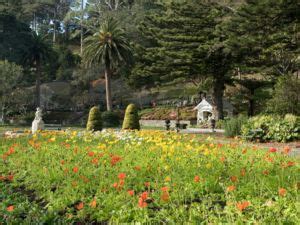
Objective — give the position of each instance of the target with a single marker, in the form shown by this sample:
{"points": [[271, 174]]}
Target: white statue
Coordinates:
{"points": [[38, 123]]}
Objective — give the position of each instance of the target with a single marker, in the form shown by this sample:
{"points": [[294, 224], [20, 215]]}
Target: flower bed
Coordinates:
{"points": [[145, 176]]}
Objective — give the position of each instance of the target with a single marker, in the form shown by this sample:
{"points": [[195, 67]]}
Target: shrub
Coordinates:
{"points": [[110, 119], [131, 118], [94, 121], [233, 126], [272, 128]]}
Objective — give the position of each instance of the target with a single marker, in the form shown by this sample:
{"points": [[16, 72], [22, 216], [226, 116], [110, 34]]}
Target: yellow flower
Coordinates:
{"points": [[168, 179], [208, 165]]}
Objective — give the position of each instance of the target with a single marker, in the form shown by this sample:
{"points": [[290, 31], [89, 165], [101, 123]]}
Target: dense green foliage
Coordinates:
{"points": [[286, 96], [233, 127], [131, 118], [94, 122], [110, 119], [272, 128]]}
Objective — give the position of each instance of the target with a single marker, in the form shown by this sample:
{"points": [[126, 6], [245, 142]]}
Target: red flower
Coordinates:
{"points": [[122, 176], [272, 149], [115, 185], [197, 179], [242, 205], [130, 192], [282, 192], [233, 178], [62, 162], [79, 206], [222, 159], [10, 208], [147, 184], [75, 169]]}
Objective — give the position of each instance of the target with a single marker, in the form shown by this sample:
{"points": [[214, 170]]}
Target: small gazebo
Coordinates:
{"points": [[205, 110]]}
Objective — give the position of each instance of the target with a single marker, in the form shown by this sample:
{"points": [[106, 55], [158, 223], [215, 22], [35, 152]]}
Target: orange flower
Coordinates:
{"points": [[147, 184], [115, 159], [165, 196], [141, 203], [79, 206], [231, 188], [243, 172], [130, 192], [91, 154], [115, 185], [242, 205], [62, 162], [272, 149], [122, 176], [244, 151], [165, 189], [10, 177], [121, 183], [144, 195], [2, 178], [197, 179], [10, 208], [137, 168], [286, 150], [282, 192], [95, 161], [290, 163], [233, 178], [93, 204], [222, 159], [266, 172], [75, 169]]}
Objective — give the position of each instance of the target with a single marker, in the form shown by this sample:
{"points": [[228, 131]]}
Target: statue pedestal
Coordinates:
{"points": [[37, 125]]}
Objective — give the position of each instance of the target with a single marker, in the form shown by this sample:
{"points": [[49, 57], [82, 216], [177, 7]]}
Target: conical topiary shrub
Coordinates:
{"points": [[131, 119], [94, 121]]}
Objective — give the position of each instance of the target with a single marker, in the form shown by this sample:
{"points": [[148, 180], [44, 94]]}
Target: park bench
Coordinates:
{"points": [[53, 126]]}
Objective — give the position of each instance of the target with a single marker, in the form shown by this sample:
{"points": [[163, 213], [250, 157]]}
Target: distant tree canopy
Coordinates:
{"points": [[14, 38]]}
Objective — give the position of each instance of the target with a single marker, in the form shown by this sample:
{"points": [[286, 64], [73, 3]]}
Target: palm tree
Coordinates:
{"points": [[38, 52], [109, 48]]}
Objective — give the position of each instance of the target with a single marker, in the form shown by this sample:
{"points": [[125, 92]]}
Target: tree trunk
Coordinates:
{"points": [[81, 29], [108, 88], [38, 83], [218, 92]]}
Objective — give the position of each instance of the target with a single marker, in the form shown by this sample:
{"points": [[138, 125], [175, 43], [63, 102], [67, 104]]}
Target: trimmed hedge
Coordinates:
{"points": [[131, 118], [110, 119], [94, 121]]}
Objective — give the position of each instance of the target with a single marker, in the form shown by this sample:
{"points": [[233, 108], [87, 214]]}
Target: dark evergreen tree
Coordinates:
{"points": [[184, 46]]}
